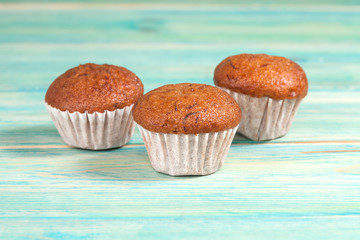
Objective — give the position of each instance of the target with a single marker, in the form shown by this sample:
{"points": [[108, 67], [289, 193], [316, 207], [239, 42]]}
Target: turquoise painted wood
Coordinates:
{"points": [[305, 185]]}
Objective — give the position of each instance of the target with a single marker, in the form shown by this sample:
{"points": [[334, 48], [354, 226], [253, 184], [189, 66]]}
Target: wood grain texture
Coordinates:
{"points": [[302, 186]]}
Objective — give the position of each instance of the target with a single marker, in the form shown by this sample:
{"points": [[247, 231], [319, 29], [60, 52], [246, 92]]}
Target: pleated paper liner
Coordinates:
{"points": [[187, 154], [264, 118], [95, 131]]}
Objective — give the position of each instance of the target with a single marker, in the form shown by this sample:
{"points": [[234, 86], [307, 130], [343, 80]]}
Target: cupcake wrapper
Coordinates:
{"points": [[187, 154], [264, 118], [95, 131]]}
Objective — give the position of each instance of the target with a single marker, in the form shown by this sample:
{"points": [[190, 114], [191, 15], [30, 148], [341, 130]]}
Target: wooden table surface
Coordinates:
{"points": [[305, 185]]}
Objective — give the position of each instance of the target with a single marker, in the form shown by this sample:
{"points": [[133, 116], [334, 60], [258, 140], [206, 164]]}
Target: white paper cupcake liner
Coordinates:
{"points": [[187, 154], [95, 131], [264, 118]]}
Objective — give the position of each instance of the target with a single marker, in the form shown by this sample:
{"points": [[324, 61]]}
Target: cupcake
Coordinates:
{"points": [[268, 89], [187, 128], [91, 105]]}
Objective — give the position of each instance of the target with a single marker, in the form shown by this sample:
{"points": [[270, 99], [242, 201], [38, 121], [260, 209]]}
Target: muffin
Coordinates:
{"points": [[187, 128], [268, 89], [91, 105]]}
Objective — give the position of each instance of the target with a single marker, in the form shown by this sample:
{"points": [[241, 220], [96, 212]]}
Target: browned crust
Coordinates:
{"points": [[187, 108], [94, 88], [261, 75]]}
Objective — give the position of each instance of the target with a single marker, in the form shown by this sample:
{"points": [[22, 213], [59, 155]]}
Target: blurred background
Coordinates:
{"points": [[176, 41], [182, 41]]}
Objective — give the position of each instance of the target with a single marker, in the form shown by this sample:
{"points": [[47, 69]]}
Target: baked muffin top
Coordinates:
{"points": [[94, 88], [261, 75], [187, 108]]}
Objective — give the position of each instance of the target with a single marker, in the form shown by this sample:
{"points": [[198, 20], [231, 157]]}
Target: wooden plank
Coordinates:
{"points": [[274, 185], [301, 186], [174, 62]]}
